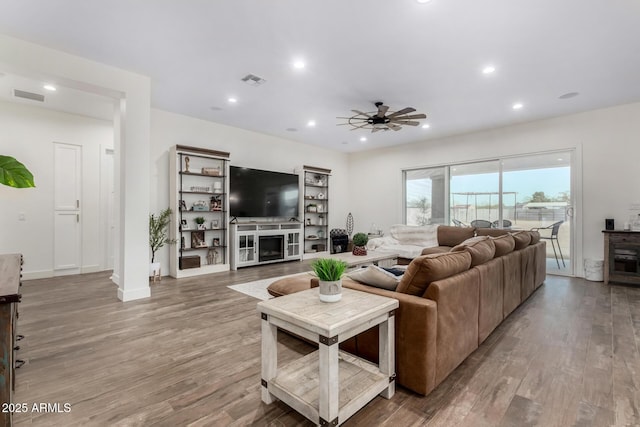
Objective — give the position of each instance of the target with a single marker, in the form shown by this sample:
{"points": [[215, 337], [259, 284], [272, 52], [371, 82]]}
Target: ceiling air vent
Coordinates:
{"points": [[253, 80], [28, 95]]}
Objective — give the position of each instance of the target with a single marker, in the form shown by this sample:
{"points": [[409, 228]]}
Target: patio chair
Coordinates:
{"points": [[459, 223], [553, 237], [505, 224], [481, 223]]}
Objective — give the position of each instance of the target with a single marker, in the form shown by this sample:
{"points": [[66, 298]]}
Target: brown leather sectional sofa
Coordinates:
{"points": [[451, 298]]}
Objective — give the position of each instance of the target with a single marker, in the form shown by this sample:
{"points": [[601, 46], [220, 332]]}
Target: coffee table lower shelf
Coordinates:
{"points": [[298, 384]]}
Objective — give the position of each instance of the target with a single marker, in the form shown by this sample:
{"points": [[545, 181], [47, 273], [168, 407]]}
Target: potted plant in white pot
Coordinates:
{"points": [[329, 272], [158, 237]]}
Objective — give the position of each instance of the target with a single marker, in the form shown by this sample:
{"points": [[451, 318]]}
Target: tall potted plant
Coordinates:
{"points": [[14, 174], [158, 237], [329, 272]]}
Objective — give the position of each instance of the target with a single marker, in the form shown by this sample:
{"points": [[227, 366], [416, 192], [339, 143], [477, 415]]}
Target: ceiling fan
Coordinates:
{"points": [[379, 120]]}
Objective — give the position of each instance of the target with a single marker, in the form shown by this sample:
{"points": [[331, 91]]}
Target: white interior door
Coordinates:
{"points": [[67, 209]]}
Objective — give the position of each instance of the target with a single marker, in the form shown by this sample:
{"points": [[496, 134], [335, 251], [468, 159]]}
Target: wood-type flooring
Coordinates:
{"points": [[190, 356]]}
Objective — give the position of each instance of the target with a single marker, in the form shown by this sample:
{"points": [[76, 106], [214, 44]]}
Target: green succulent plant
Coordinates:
{"points": [[360, 239], [329, 269]]}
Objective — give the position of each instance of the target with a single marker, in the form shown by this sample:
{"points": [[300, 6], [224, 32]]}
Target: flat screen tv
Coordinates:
{"points": [[258, 193]]}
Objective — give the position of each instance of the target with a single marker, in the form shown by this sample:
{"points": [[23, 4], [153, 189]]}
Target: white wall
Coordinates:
{"points": [[131, 145], [28, 134], [607, 142], [246, 148]]}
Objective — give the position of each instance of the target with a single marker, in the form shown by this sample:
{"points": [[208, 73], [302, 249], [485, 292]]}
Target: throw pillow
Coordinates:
{"points": [[375, 276], [428, 268], [480, 248], [451, 236], [522, 238], [535, 237], [504, 244]]}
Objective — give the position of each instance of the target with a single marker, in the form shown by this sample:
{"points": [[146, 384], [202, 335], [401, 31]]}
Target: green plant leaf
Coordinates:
{"points": [[329, 269], [15, 174]]}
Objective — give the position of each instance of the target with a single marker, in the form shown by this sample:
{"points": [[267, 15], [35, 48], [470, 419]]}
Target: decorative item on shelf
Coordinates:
{"points": [[200, 222], [186, 164], [184, 225], [217, 187], [308, 221], [216, 241], [320, 208], [349, 224], [312, 207], [182, 242], [211, 171], [320, 234], [320, 219], [329, 272], [212, 256], [215, 204], [200, 206], [360, 244], [200, 188], [158, 237], [321, 196], [191, 261], [319, 180], [215, 224], [182, 206], [197, 240]]}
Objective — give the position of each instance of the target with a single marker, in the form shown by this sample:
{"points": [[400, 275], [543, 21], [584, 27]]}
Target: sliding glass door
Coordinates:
{"points": [[517, 193]]}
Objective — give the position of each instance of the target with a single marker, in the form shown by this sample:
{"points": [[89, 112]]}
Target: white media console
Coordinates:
{"points": [[255, 243]]}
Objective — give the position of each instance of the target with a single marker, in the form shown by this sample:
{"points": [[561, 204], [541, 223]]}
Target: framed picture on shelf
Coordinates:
{"points": [[216, 241], [215, 223], [184, 225], [197, 239]]}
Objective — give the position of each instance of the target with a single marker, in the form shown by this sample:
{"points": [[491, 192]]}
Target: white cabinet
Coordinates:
{"points": [[199, 200], [264, 243]]}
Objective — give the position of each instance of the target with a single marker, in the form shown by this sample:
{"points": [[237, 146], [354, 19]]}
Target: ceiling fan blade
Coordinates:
{"points": [[401, 112], [394, 126], [405, 122], [359, 127], [362, 114], [414, 116], [382, 110], [375, 129]]}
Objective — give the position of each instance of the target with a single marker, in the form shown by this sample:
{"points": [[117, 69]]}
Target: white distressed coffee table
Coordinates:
{"points": [[327, 386]]}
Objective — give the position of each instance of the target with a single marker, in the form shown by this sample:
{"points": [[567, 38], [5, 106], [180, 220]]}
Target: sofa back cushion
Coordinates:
{"points": [[522, 238], [480, 248], [535, 237], [452, 236], [493, 232], [504, 244], [428, 268]]}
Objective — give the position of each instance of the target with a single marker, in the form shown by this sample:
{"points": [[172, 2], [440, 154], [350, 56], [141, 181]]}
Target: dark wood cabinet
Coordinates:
{"points": [[621, 256], [10, 276]]}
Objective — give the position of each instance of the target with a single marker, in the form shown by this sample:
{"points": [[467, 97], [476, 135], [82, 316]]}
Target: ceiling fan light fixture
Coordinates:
{"points": [[426, 126]]}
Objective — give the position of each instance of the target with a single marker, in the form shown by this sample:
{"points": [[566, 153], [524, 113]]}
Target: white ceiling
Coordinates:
{"points": [[427, 56]]}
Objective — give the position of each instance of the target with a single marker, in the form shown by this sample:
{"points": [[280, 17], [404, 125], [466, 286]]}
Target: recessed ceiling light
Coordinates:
{"points": [[52, 88], [517, 106], [569, 95], [423, 1], [560, 159], [489, 69], [311, 123], [299, 64], [363, 139], [232, 100], [426, 126]]}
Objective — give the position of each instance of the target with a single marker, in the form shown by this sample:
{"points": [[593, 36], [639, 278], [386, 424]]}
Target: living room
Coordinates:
{"points": [[367, 179]]}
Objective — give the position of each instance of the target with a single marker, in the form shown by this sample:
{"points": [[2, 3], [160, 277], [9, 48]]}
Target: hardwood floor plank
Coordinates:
{"points": [[190, 356]]}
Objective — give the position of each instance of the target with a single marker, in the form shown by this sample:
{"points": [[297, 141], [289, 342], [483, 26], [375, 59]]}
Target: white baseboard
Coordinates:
{"points": [[33, 275], [115, 278], [134, 294], [91, 269]]}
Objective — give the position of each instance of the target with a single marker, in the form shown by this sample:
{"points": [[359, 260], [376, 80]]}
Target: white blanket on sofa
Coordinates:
{"points": [[407, 241]]}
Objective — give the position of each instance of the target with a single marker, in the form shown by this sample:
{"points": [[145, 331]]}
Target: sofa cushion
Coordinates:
{"points": [[480, 248], [291, 284], [522, 238], [428, 268], [504, 244], [436, 250], [373, 275], [494, 232], [535, 237], [452, 236]]}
